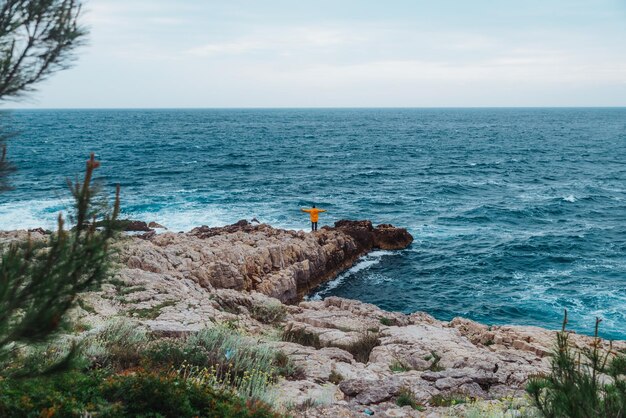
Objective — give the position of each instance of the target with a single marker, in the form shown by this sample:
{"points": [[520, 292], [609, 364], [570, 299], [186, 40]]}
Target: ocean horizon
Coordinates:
{"points": [[517, 213]]}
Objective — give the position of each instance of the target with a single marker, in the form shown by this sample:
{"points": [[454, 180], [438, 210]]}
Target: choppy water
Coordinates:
{"points": [[517, 213]]}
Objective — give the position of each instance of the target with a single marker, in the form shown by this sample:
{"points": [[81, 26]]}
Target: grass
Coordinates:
{"points": [[131, 289], [335, 378], [398, 367], [142, 393], [301, 336], [407, 398], [118, 344], [502, 408], [435, 366], [152, 312], [447, 400], [118, 283], [389, 322], [269, 313], [223, 358], [363, 346], [286, 368], [85, 306], [304, 406], [80, 327]]}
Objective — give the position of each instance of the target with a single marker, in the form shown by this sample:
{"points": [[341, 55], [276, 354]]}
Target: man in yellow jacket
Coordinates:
{"points": [[314, 212]]}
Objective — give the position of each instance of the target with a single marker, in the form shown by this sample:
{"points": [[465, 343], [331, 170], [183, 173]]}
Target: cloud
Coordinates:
{"points": [[199, 53], [284, 40]]}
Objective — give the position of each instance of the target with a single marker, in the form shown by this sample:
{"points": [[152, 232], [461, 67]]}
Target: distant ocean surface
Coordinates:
{"points": [[517, 214]]}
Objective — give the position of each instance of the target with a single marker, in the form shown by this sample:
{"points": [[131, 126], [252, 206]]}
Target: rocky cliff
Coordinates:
{"points": [[355, 358], [279, 263]]}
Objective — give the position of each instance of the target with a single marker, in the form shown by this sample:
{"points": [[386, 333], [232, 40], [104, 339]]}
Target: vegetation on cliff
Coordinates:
{"points": [[590, 382]]}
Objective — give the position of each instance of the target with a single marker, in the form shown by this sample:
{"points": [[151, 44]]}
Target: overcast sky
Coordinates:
{"points": [[337, 53]]}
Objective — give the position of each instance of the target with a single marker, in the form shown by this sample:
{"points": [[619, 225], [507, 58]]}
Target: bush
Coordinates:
{"points": [[302, 336], [335, 377], [389, 322], [399, 366], [362, 348], [434, 366], [582, 383], [507, 407], [286, 368], [269, 313], [145, 394], [171, 353], [221, 357], [407, 398], [449, 399], [69, 394], [118, 344]]}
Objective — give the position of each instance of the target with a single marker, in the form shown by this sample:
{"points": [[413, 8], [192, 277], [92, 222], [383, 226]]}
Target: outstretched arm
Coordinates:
{"points": [[306, 210], [322, 210]]}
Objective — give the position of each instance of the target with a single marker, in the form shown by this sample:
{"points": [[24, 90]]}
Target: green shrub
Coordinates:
{"points": [[362, 348], [147, 394], [118, 344], [302, 336], [153, 312], [144, 394], [286, 368], [269, 313], [388, 321], [69, 394], [84, 305], [231, 351], [335, 377], [435, 366], [407, 398], [398, 367], [221, 357], [582, 383], [449, 399], [508, 407]]}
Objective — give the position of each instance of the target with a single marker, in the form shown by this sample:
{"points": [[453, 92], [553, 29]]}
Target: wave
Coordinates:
{"points": [[28, 214], [365, 263]]}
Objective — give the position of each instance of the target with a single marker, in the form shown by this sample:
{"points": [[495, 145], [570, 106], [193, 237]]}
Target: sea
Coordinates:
{"points": [[517, 214]]}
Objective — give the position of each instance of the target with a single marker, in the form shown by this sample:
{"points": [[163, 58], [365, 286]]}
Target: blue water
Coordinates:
{"points": [[517, 213]]}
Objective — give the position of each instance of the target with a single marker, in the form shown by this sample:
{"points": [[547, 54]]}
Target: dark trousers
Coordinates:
{"points": [[313, 226]]}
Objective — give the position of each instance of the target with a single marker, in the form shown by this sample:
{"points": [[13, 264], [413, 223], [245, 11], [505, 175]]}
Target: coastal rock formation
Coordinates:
{"points": [[354, 358], [279, 263]]}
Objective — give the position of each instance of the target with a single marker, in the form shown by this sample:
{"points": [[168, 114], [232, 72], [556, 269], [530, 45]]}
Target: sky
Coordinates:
{"points": [[344, 53]]}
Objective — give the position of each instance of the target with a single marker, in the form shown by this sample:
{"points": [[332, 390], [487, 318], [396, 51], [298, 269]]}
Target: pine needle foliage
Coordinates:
{"points": [[583, 383], [39, 281], [37, 38]]}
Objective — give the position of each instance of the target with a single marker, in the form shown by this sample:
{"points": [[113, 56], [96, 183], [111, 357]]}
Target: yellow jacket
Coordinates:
{"points": [[314, 212]]}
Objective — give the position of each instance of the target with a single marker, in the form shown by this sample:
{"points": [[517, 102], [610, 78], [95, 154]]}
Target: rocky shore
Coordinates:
{"points": [[354, 358]]}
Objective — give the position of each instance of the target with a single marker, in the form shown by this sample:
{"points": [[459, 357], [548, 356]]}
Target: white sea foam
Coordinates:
{"points": [[27, 214], [365, 263], [185, 218], [570, 198]]}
